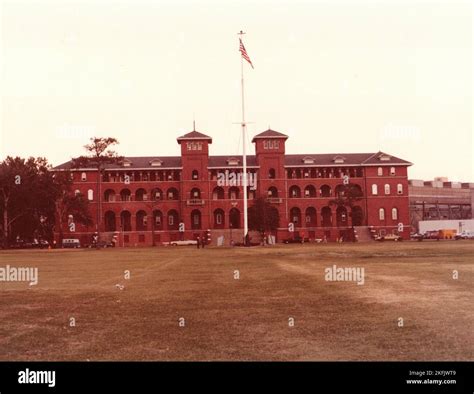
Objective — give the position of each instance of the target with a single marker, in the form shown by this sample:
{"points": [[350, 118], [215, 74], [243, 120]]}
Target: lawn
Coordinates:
{"points": [[249, 318]]}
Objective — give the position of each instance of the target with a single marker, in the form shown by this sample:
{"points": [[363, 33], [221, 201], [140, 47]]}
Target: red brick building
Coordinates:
{"points": [[147, 198]]}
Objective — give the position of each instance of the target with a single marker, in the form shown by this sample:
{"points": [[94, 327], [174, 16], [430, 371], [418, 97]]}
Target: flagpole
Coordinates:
{"points": [[244, 153]]}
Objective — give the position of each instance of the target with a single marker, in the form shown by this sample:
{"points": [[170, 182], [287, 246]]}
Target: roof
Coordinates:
{"points": [[194, 135], [318, 159], [270, 134], [327, 159]]}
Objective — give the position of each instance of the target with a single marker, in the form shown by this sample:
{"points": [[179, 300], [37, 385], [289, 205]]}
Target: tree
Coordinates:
{"points": [[28, 195], [67, 203], [348, 195], [99, 156], [263, 216]]}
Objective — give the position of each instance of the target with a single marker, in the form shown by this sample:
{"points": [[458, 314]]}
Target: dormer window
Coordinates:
{"points": [[308, 160], [156, 163], [339, 160], [126, 163], [271, 144], [384, 157], [194, 145], [232, 161]]}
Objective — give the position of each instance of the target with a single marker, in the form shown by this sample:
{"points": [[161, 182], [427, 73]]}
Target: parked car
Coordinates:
{"points": [[431, 235], [71, 243], [181, 243], [417, 236], [464, 235], [102, 244], [297, 239], [40, 243], [389, 237]]}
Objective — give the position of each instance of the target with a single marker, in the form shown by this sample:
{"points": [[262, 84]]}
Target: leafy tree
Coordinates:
{"points": [[263, 216], [348, 195], [28, 195], [68, 203], [98, 157]]}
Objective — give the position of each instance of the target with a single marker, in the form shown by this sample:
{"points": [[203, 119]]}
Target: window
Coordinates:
{"points": [[219, 218], [77, 192], [271, 173], [158, 220], [399, 188], [90, 194], [265, 144], [83, 177], [380, 171], [171, 220], [374, 189], [382, 214], [394, 213], [387, 188], [276, 144], [392, 170], [195, 174]]}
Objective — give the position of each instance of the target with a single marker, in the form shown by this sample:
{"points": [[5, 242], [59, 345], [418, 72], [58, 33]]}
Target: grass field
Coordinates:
{"points": [[246, 318]]}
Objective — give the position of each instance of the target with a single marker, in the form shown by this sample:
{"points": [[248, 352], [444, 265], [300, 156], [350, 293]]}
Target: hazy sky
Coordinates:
{"points": [[336, 76]]}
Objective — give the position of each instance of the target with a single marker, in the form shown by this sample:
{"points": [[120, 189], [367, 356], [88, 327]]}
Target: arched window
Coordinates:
{"points": [[90, 194], [382, 214], [196, 219], [392, 171], [218, 193], [142, 220], [173, 220], [77, 192], [326, 216], [310, 217], [394, 214], [141, 195], [295, 192], [218, 218], [310, 191], [234, 193], [195, 175], [380, 171], [295, 216], [156, 194], [325, 191], [271, 173], [157, 220], [387, 188], [125, 195], [374, 189], [173, 194], [339, 191], [109, 195], [399, 188], [83, 177], [272, 192], [126, 221]]}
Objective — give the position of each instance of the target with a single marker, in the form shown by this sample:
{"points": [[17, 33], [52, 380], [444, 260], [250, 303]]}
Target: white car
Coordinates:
{"points": [[181, 243], [465, 235]]}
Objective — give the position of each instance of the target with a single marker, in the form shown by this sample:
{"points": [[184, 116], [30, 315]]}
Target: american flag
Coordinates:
{"points": [[244, 52]]}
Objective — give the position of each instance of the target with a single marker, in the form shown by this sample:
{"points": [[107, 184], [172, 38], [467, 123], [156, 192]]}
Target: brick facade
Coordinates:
{"points": [[148, 197]]}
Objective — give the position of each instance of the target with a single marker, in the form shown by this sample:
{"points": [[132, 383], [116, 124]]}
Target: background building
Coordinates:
{"points": [[439, 200], [144, 199]]}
